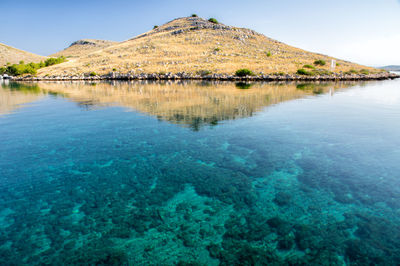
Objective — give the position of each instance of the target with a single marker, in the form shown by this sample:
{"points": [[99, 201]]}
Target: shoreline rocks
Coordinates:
{"points": [[222, 77]]}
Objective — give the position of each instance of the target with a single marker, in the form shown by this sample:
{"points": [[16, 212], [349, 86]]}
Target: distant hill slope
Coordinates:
{"points": [[391, 68], [82, 47], [193, 44], [13, 55]]}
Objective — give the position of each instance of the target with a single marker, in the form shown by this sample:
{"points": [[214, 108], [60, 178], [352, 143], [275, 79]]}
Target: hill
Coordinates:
{"points": [[82, 47], [13, 55], [195, 45], [391, 68]]}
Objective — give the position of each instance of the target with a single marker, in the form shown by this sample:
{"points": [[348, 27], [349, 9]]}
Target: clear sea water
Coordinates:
{"points": [[200, 173]]}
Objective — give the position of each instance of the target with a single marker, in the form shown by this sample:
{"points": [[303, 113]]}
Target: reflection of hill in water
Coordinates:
{"points": [[188, 103], [17, 95]]}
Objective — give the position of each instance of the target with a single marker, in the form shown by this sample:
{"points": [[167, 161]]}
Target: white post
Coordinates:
{"points": [[333, 64]]}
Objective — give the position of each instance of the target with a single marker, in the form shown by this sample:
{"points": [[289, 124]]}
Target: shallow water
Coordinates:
{"points": [[197, 173]]}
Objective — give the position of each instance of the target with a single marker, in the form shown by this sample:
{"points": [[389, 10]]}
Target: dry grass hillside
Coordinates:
{"points": [[13, 55], [83, 47], [193, 44]]}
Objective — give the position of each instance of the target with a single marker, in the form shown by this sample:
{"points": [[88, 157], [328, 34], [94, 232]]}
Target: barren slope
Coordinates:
{"points": [[82, 47], [13, 55], [191, 45]]}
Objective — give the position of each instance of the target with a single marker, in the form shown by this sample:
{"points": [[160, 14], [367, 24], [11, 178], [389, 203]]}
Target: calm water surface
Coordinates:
{"points": [[200, 173]]}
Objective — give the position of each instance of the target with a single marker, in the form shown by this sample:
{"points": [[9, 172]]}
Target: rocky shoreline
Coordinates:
{"points": [[222, 77]]}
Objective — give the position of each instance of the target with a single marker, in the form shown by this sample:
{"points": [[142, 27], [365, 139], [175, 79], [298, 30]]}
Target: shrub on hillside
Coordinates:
{"points": [[364, 71], [322, 72], [20, 69], [309, 66], [30, 68], [351, 71], [92, 74], [302, 71], [204, 73], [279, 74], [213, 20], [155, 27], [194, 16], [268, 54], [320, 62], [54, 61], [244, 72]]}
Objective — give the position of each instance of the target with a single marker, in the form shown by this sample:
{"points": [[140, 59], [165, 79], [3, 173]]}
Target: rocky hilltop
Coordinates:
{"points": [[84, 46], [197, 46], [13, 55]]}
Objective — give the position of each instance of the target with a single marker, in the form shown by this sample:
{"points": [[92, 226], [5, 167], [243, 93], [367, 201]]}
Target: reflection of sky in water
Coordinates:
{"points": [[374, 94]]}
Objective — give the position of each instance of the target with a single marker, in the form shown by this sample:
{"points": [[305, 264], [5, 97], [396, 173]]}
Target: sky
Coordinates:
{"points": [[362, 31]]}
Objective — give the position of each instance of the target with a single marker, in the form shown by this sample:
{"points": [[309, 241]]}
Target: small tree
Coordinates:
{"points": [[320, 62], [155, 27], [244, 72], [213, 20], [194, 16]]}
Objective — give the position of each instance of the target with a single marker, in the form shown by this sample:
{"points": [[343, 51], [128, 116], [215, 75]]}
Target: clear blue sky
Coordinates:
{"points": [[364, 31]]}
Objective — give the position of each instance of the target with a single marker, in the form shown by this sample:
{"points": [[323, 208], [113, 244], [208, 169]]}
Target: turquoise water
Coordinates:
{"points": [[200, 174]]}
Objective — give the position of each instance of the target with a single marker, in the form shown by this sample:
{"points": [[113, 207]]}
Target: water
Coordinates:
{"points": [[200, 174]]}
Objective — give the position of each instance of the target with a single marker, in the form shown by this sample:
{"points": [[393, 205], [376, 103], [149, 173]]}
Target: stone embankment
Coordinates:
{"points": [[189, 76]]}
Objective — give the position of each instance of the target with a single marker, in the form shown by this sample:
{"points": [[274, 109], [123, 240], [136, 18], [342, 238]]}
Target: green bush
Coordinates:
{"points": [[279, 73], [114, 69], [20, 69], [204, 73], [322, 72], [364, 71], [194, 16], [30, 68], [244, 72], [213, 20], [302, 71], [351, 71], [155, 27], [2, 70], [309, 66], [92, 74], [319, 62], [54, 61], [217, 49], [268, 54]]}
